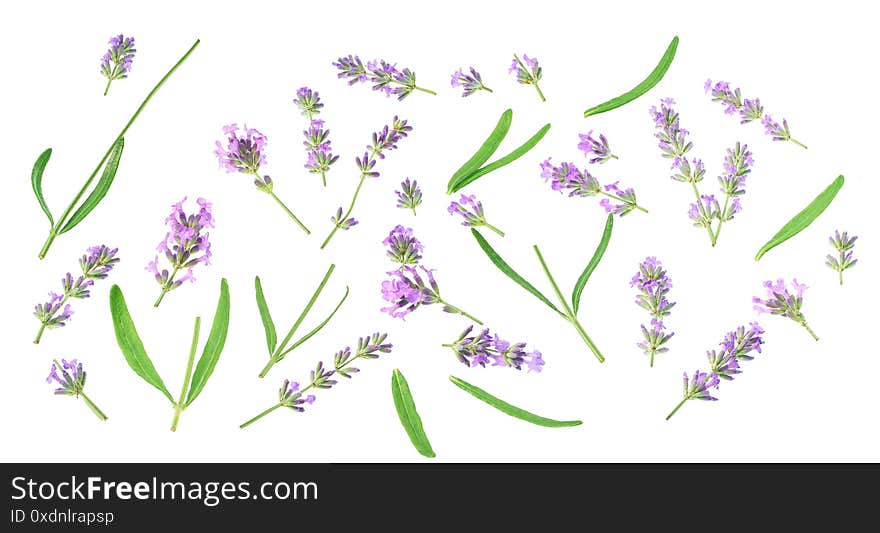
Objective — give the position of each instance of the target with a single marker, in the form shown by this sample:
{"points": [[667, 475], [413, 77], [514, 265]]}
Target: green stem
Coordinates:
{"points": [[179, 406], [288, 211], [166, 286], [614, 156], [453, 309], [60, 224], [107, 88], [587, 339], [92, 406], [414, 211], [540, 93], [486, 88], [347, 213], [721, 220], [324, 177], [493, 228], [619, 199], [429, 91], [261, 415], [652, 357], [792, 139], [317, 328], [677, 407], [804, 324], [839, 276]]}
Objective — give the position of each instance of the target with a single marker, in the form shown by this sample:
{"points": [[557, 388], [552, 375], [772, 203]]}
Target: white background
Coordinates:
{"points": [[799, 401]]}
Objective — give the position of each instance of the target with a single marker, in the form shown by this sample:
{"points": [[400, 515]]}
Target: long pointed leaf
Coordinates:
{"points": [[130, 343], [511, 410], [213, 346], [409, 417], [509, 158], [316, 329], [268, 324], [484, 152], [504, 267], [100, 190], [591, 266], [37, 181]]}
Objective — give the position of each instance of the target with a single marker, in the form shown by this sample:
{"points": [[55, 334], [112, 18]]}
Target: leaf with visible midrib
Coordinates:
{"points": [[213, 346], [130, 343], [484, 152], [268, 324], [37, 181], [409, 417], [591, 266], [511, 410], [100, 190]]}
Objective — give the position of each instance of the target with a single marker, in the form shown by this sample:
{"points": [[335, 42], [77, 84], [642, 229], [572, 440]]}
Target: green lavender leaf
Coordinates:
{"points": [[409, 417], [100, 190], [213, 346], [511, 410], [653, 78], [268, 325], [130, 343], [803, 219], [591, 266], [504, 267], [484, 153], [37, 182], [317, 328]]}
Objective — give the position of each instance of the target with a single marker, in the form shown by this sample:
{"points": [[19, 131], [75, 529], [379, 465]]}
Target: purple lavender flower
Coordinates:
{"points": [[470, 83], [737, 166], [844, 245], [653, 285], [406, 291], [568, 177], [185, 245], [403, 246], [384, 76], [471, 211], [597, 151], [72, 381], [483, 348], [308, 102], [781, 302], [409, 196], [319, 156], [672, 137], [343, 223], [704, 212], [116, 63], [527, 72], [95, 264]]}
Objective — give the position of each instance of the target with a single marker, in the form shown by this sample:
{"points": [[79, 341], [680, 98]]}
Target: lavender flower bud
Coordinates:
{"points": [[653, 285], [72, 382], [781, 302], [527, 72], [384, 76], [597, 151], [318, 152], [470, 83], [483, 348], [308, 102], [409, 196], [343, 224], [568, 177], [844, 245], [403, 246], [749, 110], [243, 151], [116, 63]]}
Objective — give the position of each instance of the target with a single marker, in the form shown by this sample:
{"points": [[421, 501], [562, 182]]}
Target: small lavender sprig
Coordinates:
{"points": [[319, 154], [95, 264], [482, 348], [596, 150], [737, 166], [309, 102], [568, 177], [471, 211], [243, 153], [409, 196], [403, 246], [72, 382], [749, 110], [185, 245], [292, 396], [406, 291], [470, 83], [116, 63], [384, 76], [844, 245], [527, 72], [781, 302], [654, 285]]}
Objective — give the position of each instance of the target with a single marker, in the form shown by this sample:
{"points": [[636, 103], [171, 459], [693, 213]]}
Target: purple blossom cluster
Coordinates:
{"points": [[483, 349], [403, 247], [470, 83], [319, 156], [596, 150], [471, 211], [384, 76], [653, 285], [844, 245], [55, 312], [308, 102], [116, 63], [779, 301], [527, 72], [749, 110], [568, 177], [71, 380], [406, 290], [409, 196]]}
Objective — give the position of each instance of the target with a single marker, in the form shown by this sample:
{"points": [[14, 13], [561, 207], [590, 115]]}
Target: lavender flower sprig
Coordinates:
{"points": [[736, 346], [383, 141], [737, 165], [185, 245], [72, 382], [568, 177], [292, 396], [244, 153], [403, 247], [471, 211], [116, 63], [409, 196], [309, 102], [654, 285], [384, 76], [470, 83], [527, 72], [596, 150], [781, 302], [95, 264], [844, 245], [483, 348], [317, 139], [406, 291], [749, 110]]}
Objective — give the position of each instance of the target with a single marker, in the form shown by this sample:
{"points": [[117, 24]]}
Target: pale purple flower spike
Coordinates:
{"points": [[779, 301], [485, 349]]}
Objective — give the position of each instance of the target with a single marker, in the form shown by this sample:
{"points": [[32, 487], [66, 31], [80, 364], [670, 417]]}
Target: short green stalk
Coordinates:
{"points": [[180, 405]]}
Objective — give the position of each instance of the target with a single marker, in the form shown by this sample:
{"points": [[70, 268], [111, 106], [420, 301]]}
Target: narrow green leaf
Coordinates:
{"points": [[213, 346], [504, 267], [130, 343], [409, 417], [591, 266], [316, 329], [509, 158], [100, 190], [37, 182], [268, 325], [484, 153], [511, 410], [646, 85], [803, 219]]}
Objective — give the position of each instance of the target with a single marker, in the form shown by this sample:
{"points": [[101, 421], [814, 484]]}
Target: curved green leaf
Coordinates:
{"points": [[37, 181], [130, 343], [316, 329], [591, 266], [268, 325], [100, 190], [511, 410], [213, 346], [409, 417], [485, 151], [646, 85], [509, 158], [504, 267], [803, 219]]}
